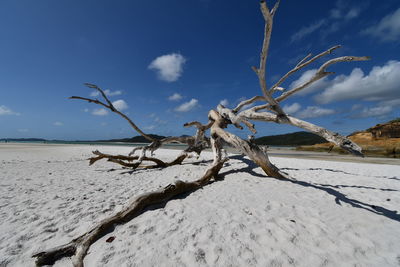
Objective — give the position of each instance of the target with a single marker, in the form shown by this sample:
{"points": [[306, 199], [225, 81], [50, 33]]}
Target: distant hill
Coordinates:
{"points": [[22, 139], [291, 139], [135, 139], [379, 140]]}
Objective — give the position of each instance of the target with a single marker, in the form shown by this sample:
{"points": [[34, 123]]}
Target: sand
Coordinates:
{"points": [[335, 214]]}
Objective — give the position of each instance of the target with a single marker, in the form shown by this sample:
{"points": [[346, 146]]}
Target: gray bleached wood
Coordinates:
{"points": [[218, 121], [78, 247]]}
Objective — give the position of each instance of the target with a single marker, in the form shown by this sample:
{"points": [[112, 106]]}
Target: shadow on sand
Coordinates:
{"points": [[339, 197]]}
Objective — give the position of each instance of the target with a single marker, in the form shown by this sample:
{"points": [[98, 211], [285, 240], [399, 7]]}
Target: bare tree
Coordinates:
{"points": [[268, 110]]}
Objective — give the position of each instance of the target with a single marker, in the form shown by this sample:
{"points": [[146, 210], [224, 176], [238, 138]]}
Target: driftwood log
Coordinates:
{"points": [[268, 110]]}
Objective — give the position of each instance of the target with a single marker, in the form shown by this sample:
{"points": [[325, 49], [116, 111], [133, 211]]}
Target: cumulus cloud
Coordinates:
{"points": [[168, 67], [107, 92], [382, 83], [99, 112], [305, 77], [314, 112], [187, 106], [175, 97], [57, 123], [6, 111], [224, 102], [291, 109], [388, 29], [120, 104]]}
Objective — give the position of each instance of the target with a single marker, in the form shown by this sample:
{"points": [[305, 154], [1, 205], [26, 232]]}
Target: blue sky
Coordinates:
{"points": [[170, 62]]}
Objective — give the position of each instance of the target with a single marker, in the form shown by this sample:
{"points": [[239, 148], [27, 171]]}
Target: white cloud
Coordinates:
{"points": [[304, 31], [379, 111], [175, 97], [120, 104], [352, 13], [100, 112], [57, 123], [169, 67], [291, 109], [382, 83], [314, 112], [159, 121], [23, 130], [107, 92], [305, 77], [187, 106], [224, 102], [6, 111], [388, 29], [150, 127], [86, 110]]}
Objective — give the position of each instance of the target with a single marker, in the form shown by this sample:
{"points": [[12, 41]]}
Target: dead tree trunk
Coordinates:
{"points": [[78, 248], [218, 121]]}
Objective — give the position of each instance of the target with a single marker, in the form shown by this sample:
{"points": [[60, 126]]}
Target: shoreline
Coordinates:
{"points": [[283, 152]]}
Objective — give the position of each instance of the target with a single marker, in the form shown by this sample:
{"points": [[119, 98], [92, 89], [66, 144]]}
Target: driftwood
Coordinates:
{"points": [[269, 110], [78, 247]]}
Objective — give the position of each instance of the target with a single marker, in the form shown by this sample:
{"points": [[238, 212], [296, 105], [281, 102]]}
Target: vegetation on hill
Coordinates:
{"points": [[291, 139], [135, 139], [379, 140], [22, 140]]}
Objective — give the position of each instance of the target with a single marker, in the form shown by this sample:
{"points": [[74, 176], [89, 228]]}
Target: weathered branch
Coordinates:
{"points": [[321, 73], [303, 60], [196, 143], [235, 120], [78, 247], [121, 158], [269, 18], [303, 63], [247, 102], [335, 138], [111, 107]]}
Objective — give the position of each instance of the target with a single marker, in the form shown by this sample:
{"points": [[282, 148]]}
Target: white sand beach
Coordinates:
{"points": [[334, 214]]}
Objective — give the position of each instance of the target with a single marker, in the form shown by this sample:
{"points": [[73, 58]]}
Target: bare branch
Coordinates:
{"points": [[321, 73], [301, 65], [198, 125], [303, 60], [335, 138], [247, 102], [111, 106], [268, 17], [235, 120], [275, 8], [113, 109]]}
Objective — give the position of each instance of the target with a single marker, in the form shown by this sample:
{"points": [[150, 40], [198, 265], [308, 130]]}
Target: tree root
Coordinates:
{"points": [[78, 247]]}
